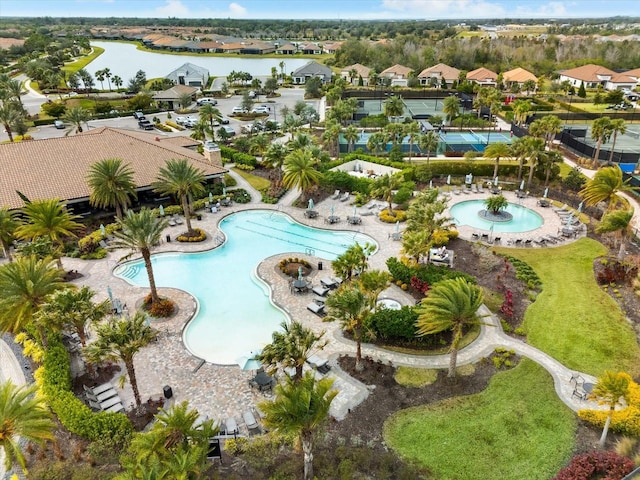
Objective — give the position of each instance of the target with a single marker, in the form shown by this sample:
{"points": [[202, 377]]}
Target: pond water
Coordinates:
{"points": [[124, 60]]}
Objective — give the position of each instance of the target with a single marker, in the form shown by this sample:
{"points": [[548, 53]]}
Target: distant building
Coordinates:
{"points": [[593, 75], [434, 75], [190, 75], [173, 95], [398, 75], [312, 69], [360, 72]]}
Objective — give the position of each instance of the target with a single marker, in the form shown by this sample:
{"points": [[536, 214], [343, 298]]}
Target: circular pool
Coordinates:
{"points": [[524, 219], [389, 303]]}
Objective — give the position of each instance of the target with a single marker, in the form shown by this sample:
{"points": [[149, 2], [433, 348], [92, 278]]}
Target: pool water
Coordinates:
{"points": [[524, 219], [235, 314]]}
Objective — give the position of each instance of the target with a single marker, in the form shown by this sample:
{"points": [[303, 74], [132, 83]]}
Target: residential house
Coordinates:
{"points": [[257, 48], [286, 49], [433, 76], [331, 47], [191, 75], [518, 76], [58, 167], [483, 77], [310, 48], [173, 95], [353, 74], [593, 75], [398, 75], [312, 69]]}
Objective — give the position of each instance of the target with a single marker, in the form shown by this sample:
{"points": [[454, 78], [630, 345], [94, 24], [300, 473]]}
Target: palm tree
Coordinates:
{"points": [[546, 127], [300, 172], [200, 130], [274, 158], [300, 408], [601, 130], [617, 126], [300, 142], [8, 225], [522, 149], [393, 107], [451, 108], [8, 118], [180, 178], [291, 348], [536, 155], [428, 143], [331, 137], [48, 218], [412, 130], [107, 73], [76, 116], [351, 135], [353, 260], [377, 142], [210, 114], [384, 186], [111, 184], [452, 304], [605, 186], [609, 390], [259, 145], [550, 158], [617, 221], [23, 415], [100, 77], [25, 285], [139, 233], [120, 339], [521, 109], [117, 81], [497, 151]]}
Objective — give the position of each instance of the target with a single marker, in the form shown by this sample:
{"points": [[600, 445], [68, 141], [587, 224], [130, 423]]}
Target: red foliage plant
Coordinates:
{"points": [[420, 285], [596, 465], [507, 306]]}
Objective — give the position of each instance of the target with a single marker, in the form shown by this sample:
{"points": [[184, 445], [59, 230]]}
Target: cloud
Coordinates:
{"points": [[237, 10], [549, 10], [172, 8], [439, 9]]}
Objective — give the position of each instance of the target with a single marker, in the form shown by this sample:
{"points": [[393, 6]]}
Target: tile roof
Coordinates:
{"points": [[588, 73], [635, 73], [397, 70], [57, 167], [481, 74], [449, 73], [519, 75], [360, 70], [175, 92]]}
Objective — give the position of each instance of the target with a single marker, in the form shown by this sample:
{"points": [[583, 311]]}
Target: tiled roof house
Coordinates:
{"points": [[360, 71], [593, 75], [434, 75], [398, 74], [518, 76], [483, 76]]}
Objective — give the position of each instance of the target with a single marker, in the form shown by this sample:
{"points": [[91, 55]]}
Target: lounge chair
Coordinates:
{"points": [[104, 396], [345, 197], [320, 290], [172, 223], [518, 242], [466, 190], [497, 240], [250, 420], [475, 236], [372, 205], [178, 220], [315, 308], [117, 408], [338, 280], [456, 191], [328, 282], [103, 244], [319, 299], [320, 364], [397, 236], [474, 189], [100, 388], [480, 188], [528, 242], [231, 427], [540, 242], [484, 237], [366, 213], [335, 195]]}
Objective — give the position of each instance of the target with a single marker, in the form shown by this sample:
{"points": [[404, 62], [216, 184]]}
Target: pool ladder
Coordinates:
{"points": [[310, 251]]}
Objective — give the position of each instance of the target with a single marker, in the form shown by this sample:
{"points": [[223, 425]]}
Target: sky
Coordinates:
{"points": [[322, 9]]}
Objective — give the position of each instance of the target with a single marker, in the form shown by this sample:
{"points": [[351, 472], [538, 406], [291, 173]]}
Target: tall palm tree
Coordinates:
{"points": [[412, 131], [384, 186], [550, 158], [393, 107], [200, 130], [274, 159], [120, 339], [25, 285], [546, 127], [300, 172], [601, 130], [535, 156], [377, 142], [117, 81], [210, 115], [8, 118], [497, 151], [111, 184], [291, 348], [452, 304], [521, 109], [8, 225], [428, 143], [353, 260], [611, 390], [619, 222], [23, 415], [395, 133], [605, 186], [180, 178], [76, 116], [351, 135], [48, 218], [451, 108], [300, 408], [140, 232], [617, 126], [522, 147], [331, 137]]}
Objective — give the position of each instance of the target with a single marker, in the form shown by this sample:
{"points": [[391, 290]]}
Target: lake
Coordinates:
{"points": [[124, 60]]}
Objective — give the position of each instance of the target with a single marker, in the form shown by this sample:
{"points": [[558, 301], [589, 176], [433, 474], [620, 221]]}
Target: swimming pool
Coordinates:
{"points": [[524, 219], [235, 314]]}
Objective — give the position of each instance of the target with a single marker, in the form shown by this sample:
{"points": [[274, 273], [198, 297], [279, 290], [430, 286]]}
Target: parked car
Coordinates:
{"points": [[224, 120], [237, 110], [261, 110], [181, 120], [252, 94], [59, 124], [230, 131], [138, 115], [206, 101], [145, 125]]}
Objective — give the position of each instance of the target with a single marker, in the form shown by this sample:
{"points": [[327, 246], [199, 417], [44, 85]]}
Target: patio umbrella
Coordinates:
{"points": [[569, 220], [224, 190], [300, 273], [398, 226], [110, 293], [546, 192], [311, 205], [430, 183], [355, 211], [161, 211], [469, 178], [522, 185], [210, 197], [333, 209], [580, 207], [103, 231], [448, 179], [495, 181]]}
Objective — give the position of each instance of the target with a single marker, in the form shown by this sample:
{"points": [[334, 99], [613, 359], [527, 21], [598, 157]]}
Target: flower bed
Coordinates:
{"points": [[200, 236]]}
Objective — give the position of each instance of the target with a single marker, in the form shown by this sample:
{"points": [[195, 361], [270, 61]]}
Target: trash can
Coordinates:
{"points": [[168, 393], [168, 238], [319, 265]]}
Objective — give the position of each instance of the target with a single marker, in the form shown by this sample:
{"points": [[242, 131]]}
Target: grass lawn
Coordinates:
{"points": [[516, 429], [255, 181], [83, 61], [572, 319]]}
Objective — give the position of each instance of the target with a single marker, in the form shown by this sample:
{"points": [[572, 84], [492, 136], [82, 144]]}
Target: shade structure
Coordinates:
{"points": [[522, 185], [103, 231], [311, 204], [249, 361], [546, 192], [495, 181], [210, 197], [161, 211]]}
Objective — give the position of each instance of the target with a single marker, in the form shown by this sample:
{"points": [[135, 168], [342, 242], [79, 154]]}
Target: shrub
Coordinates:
{"points": [[246, 168], [346, 183], [240, 195], [403, 196], [596, 464], [162, 309], [200, 236], [524, 272], [236, 446], [174, 125], [397, 216], [100, 253], [390, 324], [429, 274], [229, 180]]}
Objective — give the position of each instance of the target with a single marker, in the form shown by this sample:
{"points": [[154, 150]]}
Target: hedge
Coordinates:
{"points": [[427, 273], [394, 324], [345, 183], [239, 158], [55, 376]]}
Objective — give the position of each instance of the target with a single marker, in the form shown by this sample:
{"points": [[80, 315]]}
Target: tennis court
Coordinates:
{"points": [[422, 108]]}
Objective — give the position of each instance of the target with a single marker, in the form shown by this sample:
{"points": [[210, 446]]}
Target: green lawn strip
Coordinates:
{"points": [[517, 429], [81, 62], [255, 181], [572, 319], [415, 377]]}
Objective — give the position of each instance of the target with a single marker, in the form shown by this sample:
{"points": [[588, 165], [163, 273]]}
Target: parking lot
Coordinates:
{"points": [[289, 97]]}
